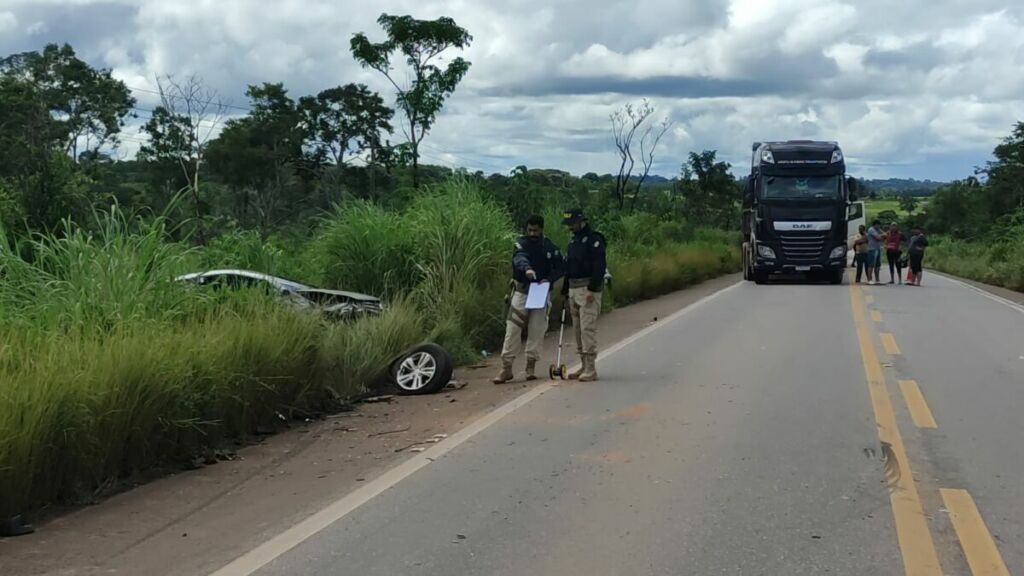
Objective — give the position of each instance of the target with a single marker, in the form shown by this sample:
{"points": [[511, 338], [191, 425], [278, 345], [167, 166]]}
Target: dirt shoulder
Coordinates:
{"points": [[194, 522]]}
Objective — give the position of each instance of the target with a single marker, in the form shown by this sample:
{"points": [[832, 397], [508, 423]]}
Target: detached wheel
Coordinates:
{"points": [[425, 369]]}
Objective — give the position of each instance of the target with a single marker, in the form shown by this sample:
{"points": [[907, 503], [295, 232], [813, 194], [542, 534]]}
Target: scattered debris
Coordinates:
{"points": [[456, 385], [377, 399], [386, 432], [418, 449]]}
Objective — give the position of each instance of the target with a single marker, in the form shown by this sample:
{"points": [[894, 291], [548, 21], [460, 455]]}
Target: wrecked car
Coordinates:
{"points": [[423, 369]]}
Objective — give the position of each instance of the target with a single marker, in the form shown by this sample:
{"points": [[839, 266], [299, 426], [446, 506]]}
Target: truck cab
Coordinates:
{"points": [[796, 208]]}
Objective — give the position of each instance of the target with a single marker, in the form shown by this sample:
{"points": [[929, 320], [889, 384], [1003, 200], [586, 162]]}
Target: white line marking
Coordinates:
{"points": [[265, 553], [983, 292]]}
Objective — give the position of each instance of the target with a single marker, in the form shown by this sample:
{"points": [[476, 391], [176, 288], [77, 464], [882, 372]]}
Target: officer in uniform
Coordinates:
{"points": [[535, 259], [585, 269]]}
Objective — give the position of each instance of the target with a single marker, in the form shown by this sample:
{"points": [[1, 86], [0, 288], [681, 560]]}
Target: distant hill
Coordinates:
{"points": [[903, 186]]}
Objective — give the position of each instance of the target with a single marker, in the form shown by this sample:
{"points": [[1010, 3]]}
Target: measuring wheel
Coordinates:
{"points": [[558, 371]]}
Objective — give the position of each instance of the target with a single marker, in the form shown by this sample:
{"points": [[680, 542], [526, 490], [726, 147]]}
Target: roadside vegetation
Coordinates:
{"points": [[976, 225], [109, 369]]}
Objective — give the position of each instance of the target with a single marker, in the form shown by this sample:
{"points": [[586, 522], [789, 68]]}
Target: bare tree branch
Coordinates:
{"points": [[625, 122], [203, 110], [648, 144]]}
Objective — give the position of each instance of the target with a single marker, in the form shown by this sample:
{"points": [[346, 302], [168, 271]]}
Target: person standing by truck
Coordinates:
{"points": [[585, 268], [915, 250], [535, 259], [860, 252], [875, 239], [894, 253]]}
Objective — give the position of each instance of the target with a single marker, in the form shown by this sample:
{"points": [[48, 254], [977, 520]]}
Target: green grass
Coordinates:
{"points": [[872, 208], [997, 263], [108, 368]]}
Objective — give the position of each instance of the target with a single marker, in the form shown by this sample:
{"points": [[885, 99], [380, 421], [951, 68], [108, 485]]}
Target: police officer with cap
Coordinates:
{"points": [[535, 259], [585, 268]]}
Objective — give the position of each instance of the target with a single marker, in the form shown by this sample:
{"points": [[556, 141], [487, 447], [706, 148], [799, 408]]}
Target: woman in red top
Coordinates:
{"points": [[893, 253]]}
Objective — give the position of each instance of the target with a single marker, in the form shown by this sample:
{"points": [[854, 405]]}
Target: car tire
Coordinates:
{"points": [[425, 369]]}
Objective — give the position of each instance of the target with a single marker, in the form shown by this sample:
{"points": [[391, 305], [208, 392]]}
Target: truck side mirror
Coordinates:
{"points": [[852, 188], [748, 192]]}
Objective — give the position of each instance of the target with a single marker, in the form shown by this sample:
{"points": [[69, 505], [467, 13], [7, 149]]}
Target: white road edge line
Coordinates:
{"points": [[265, 553], [983, 292]]}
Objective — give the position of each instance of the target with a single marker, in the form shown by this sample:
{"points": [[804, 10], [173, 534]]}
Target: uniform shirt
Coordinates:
{"points": [[585, 258], [537, 254]]}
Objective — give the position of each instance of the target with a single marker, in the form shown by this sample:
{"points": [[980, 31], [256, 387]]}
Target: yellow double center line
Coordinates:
{"points": [[915, 540]]}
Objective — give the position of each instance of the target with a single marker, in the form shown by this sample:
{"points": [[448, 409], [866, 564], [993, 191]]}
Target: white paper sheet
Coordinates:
{"points": [[537, 297]]}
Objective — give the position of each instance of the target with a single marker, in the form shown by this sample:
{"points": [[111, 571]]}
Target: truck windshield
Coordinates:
{"points": [[811, 188]]}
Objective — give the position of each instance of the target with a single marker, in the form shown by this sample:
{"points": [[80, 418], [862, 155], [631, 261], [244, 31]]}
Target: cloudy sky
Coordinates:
{"points": [[913, 88]]}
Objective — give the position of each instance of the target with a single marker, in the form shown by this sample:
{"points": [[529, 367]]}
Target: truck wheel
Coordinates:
{"points": [[746, 266], [760, 277], [837, 276]]}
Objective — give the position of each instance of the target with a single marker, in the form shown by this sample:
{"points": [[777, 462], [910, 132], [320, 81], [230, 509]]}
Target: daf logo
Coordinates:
{"points": [[799, 226]]}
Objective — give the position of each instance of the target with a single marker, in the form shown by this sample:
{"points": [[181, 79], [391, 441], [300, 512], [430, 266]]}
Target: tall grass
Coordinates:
{"points": [[1000, 263], [108, 367]]}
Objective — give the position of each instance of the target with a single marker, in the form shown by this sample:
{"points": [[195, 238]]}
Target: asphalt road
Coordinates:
{"points": [[783, 429]]}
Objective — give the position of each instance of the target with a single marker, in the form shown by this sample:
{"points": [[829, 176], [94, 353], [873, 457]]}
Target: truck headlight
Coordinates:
{"points": [[837, 156], [838, 252], [765, 252]]}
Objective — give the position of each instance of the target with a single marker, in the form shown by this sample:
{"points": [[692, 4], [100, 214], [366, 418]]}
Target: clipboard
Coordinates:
{"points": [[537, 297]]}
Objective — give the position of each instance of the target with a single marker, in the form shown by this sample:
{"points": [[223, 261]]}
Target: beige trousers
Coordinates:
{"points": [[584, 318], [536, 324]]}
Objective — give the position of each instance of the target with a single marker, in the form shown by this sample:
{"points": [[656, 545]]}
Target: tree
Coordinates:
{"points": [[421, 42], [908, 203], [710, 193], [625, 123], [345, 121], [49, 102], [648, 144], [1005, 174], [89, 104], [261, 157], [180, 130]]}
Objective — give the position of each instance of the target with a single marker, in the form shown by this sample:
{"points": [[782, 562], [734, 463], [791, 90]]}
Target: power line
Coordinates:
{"points": [[218, 103]]}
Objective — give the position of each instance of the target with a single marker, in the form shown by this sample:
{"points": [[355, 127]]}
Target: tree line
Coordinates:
{"points": [[281, 160]]}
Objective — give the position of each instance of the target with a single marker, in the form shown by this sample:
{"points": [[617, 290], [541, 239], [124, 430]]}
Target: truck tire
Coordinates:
{"points": [[837, 276], [760, 277], [746, 266]]}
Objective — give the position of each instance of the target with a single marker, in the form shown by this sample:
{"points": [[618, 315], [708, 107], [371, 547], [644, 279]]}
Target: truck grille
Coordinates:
{"points": [[803, 247]]}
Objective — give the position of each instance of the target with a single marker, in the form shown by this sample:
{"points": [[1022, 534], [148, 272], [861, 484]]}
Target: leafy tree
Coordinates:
{"points": [[1005, 186], [40, 127], [421, 42], [908, 204], [260, 157], [344, 121], [88, 104], [711, 195]]}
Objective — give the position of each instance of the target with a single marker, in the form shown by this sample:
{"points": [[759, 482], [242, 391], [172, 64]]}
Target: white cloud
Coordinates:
{"points": [[898, 84], [8, 21], [37, 28]]}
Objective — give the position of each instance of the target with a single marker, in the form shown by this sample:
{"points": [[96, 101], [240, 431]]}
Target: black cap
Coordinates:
{"points": [[572, 216]]}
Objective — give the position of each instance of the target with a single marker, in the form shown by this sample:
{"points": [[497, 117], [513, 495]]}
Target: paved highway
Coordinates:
{"points": [[782, 429]]}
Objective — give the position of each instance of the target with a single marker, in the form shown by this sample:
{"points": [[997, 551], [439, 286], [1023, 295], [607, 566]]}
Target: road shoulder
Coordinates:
{"points": [[194, 522]]}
